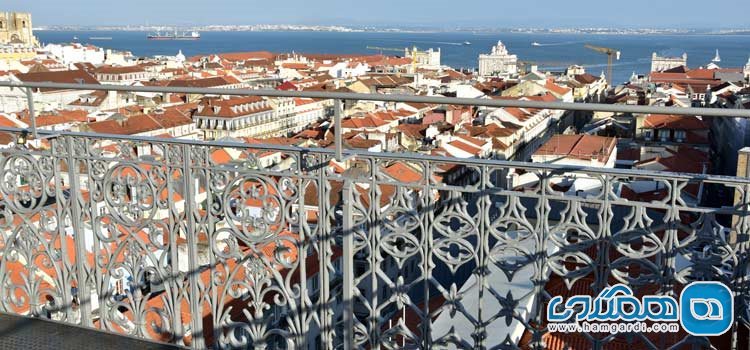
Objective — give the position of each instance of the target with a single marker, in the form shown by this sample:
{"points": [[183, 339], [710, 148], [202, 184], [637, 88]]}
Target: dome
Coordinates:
{"points": [[180, 57]]}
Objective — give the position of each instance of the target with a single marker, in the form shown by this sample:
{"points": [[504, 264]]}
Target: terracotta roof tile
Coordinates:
{"points": [[662, 121], [363, 122], [66, 76], [119, 69], [585, 147], [233, 107], [204, 83], [57, 117]]}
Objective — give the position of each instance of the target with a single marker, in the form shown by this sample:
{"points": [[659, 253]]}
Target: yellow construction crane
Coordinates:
{"points": [[610, 53], [414, 54]]}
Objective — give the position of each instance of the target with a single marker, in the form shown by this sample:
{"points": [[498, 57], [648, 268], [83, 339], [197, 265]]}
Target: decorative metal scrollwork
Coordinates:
{"points": [[172, 241]]}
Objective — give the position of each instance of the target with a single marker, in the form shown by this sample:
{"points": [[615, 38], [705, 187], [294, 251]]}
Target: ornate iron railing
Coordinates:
{"points": [[225, 245]]}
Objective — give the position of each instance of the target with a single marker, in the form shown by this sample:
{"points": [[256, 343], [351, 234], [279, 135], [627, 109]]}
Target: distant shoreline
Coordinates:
{"points": [[328, 29]]}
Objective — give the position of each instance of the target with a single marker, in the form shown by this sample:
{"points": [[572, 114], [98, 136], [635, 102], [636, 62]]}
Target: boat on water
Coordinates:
{"points": [[717, 58], [467, 43], [175, 36], [536, 44]]}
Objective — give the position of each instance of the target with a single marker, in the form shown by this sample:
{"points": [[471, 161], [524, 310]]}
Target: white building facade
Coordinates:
{"points": [[429, 59], [307, 112], [660, 63], [498, 63], [76, 53]]}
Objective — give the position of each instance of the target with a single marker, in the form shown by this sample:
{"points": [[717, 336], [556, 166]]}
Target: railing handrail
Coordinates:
{"points": [[570, 106], [404, 156]]}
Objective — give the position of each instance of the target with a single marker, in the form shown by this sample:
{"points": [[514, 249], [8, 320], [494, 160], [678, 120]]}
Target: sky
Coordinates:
{"points": [[435, 13]]}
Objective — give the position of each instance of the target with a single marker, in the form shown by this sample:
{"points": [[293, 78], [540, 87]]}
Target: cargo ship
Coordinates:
{"points": [[174, 36]]}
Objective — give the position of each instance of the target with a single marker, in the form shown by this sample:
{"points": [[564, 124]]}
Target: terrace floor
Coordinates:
{"points": [[18, 332]]}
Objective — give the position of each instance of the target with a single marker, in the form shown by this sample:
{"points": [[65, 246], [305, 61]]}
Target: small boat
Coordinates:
{"points": [[75, 37], [536, 44], [467, 43]]}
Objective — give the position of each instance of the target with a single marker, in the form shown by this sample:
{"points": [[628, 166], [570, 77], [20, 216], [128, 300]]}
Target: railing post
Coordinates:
{"points": [[743, 170], [738, 241], [191, 236], [83, 293], [172, 165], [337, 112], [32, 113], [347, 232]]}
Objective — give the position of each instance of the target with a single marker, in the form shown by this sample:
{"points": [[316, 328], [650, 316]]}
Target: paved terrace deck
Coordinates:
{"points": [[18, 332]]}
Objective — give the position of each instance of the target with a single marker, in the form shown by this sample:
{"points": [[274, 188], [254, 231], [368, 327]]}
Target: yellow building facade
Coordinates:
{"points": [[16, 28]]}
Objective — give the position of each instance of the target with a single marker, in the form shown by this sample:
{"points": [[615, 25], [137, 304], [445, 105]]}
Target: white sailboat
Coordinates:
{"points": [[716, 59]]}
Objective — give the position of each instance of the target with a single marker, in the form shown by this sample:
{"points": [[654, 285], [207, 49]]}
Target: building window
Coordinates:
{"points": [[23, 24], [2, 25], [648, 134], [664, 135], [680, 135]]}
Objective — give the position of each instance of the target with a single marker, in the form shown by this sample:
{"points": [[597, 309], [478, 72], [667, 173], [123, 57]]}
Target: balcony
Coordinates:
{"points": [[162, 239]]}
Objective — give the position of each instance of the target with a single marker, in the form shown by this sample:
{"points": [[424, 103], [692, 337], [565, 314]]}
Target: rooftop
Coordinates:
{"points": [[586, 147], [662, 121]]}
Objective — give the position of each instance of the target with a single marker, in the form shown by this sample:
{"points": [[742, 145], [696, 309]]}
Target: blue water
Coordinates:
{"points": [[559, 50]]}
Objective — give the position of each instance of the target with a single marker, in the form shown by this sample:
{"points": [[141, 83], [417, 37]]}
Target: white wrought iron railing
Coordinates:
{"points": [[207, 244]]}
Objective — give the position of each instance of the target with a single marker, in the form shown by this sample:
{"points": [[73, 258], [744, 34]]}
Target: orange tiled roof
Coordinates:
{"points": [[578, 146], [663, 121]]}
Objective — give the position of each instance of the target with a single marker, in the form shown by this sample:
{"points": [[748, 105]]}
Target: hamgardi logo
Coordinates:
{"points": [[704, 309]]}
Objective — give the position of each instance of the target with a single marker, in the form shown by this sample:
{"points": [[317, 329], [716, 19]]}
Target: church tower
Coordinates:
{"points": [[16, 29]]}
